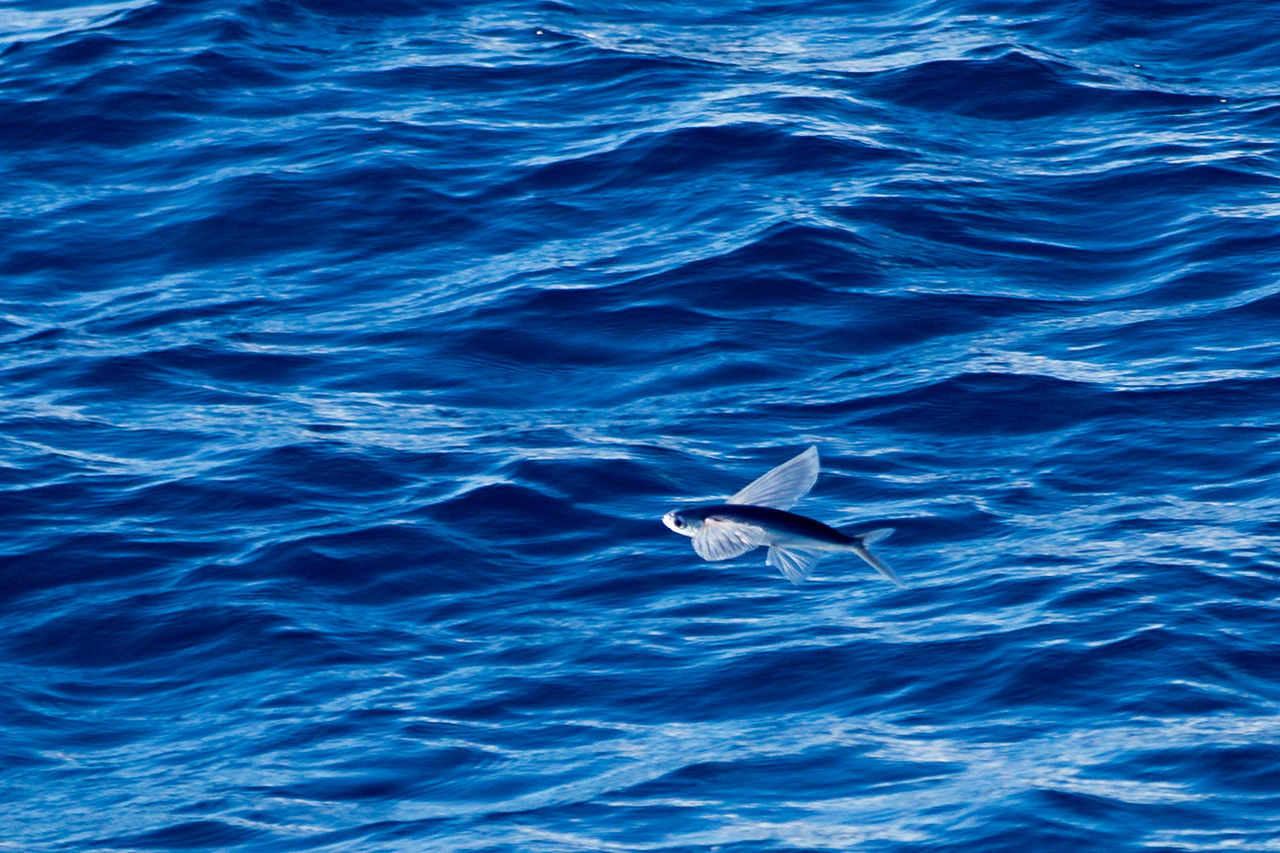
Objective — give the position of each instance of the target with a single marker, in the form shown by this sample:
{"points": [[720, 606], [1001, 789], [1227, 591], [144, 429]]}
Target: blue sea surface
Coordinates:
{"points": [[350, 353]]}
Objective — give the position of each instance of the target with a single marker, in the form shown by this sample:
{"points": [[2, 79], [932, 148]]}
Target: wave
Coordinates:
{"points": [[353, 353]]}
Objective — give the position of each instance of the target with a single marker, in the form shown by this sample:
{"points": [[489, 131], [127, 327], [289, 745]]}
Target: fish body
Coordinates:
{"points": [[784, 528], [757, 516]]}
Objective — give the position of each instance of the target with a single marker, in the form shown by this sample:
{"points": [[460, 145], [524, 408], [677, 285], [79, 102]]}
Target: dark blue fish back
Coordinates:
{"points": [[350, 353]]}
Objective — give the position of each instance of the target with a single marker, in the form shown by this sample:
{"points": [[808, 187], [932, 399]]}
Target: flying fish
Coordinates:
{"points": [[757, 516]]}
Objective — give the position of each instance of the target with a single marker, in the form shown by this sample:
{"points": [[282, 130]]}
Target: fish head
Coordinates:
{"points": [[681, 523]]}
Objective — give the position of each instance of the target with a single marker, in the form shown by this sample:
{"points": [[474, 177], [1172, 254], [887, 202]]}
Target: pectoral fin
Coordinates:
{"points": [[784, 485], [719, 539], [795, 565]]}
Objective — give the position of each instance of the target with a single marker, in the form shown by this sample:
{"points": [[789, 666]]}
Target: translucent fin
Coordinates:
{"points": [[782, 487], [876, 563], [718, 539], [873, 536], [794, 565]]}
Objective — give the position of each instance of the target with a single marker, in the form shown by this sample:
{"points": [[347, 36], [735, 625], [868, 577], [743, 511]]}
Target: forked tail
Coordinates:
{"points": [[859, 547]]}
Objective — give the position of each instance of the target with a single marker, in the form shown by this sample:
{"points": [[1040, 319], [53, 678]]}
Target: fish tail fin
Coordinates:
{"points": [[859, 547]]}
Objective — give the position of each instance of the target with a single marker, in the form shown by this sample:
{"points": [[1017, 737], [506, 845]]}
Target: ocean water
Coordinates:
{"points": [[350, 353]]}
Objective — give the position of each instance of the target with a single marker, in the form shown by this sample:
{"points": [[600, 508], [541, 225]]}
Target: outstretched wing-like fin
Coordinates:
{"points": [[719, 539], [782, 487]]}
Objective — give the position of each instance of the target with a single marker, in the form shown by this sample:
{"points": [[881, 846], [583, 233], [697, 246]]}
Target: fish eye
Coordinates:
{"points": [[677, 521]]}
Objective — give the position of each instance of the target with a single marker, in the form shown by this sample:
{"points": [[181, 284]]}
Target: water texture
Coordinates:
{"points": [[351, 351]]}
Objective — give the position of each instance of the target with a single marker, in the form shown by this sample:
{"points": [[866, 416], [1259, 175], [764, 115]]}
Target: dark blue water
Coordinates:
{"points": [[351, 351]]}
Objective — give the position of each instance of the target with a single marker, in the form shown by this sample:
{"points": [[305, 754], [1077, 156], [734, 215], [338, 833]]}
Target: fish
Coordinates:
{"points": [[758, 516]]}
